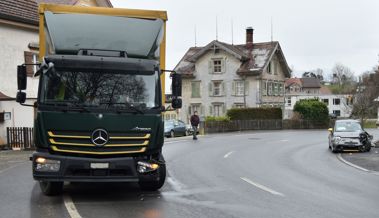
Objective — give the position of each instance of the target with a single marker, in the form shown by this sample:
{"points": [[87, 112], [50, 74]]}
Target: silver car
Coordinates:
{"points": [[348, 135]]}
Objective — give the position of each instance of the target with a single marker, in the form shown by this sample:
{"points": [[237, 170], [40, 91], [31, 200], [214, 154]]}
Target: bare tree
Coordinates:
{"points": [[342, 75]]}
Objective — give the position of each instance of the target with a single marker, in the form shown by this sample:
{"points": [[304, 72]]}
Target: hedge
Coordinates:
{"points": [[255, 113], [312, 109]]}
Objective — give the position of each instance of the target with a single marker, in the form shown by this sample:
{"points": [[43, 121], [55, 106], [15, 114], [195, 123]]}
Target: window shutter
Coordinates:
{"points": [[223, 91], [189, 110], [223, 108], [28, 56], [201, 109], [233, 88], [210, 110], [210, 89], [223, 65], [210, 66], [246, 87]]}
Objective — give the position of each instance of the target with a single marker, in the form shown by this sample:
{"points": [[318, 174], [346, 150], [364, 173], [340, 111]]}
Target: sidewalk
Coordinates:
{"points": [[367, 160]]}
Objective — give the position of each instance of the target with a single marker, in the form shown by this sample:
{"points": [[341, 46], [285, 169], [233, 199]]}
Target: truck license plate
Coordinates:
{"points": [[99, 165]]}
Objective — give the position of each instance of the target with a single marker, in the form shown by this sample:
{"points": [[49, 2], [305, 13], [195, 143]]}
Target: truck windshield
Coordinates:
{"points": [[121, 90]]}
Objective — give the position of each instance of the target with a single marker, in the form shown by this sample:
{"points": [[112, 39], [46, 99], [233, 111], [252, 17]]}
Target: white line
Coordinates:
{"points": [[70, 206], [228, 154], [11, 167], [351, 164], [284, 140], [262, 187]]}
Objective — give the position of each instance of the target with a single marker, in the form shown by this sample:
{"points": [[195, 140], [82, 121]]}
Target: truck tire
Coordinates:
{"points": [[156, 184], [51, 188]]}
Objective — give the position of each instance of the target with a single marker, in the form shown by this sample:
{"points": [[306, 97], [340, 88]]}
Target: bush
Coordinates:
{"points": [[255, 113], [312, 109], [222, 119]]}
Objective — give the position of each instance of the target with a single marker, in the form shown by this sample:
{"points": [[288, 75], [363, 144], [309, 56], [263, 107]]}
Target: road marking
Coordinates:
{"points": [[262, 187], [228, 154], [284, 140], [70, 206], [339, 157]]}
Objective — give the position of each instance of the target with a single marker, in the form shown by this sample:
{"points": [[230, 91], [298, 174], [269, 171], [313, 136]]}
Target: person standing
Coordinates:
{"points": [[195, 120]]}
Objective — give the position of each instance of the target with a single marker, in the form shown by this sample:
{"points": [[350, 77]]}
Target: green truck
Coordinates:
{"points": [[100, 98]]}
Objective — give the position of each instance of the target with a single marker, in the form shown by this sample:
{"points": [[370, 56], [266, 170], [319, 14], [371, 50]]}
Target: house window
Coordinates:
{"points": [[216, 88], [336, 101], [269, 68], [195, 107], [195, 92], [239, 88], [276, 91], [270, 89], [288, 102], [326, 101], [217, 66], [337, 113], [281, 89], [217, 109]]}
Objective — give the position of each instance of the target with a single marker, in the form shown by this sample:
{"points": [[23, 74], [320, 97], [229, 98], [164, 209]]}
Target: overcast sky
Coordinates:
{"points": [[312, 33]]}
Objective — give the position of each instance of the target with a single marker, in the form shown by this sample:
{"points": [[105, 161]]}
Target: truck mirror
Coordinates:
{"points": [[176, 103], [176, 85], [21, 97], [21, 77]]}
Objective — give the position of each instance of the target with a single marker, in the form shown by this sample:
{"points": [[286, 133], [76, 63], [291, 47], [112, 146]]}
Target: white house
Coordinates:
{"points": [[220, 76], [310, 88]]}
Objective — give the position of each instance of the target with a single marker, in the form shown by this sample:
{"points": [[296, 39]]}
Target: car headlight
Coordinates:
{"points": [[337, 139], [47, 165]]}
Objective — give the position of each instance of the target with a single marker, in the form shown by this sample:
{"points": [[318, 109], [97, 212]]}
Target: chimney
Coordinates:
{"points": [[249, 37]]}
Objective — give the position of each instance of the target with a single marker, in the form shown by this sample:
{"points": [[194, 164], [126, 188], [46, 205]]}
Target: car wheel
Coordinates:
{"points": [[172, 134], [186, 133]]}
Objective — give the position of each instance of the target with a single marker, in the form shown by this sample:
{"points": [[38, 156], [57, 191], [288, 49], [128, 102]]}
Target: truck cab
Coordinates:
{"points": [[100, 98]]}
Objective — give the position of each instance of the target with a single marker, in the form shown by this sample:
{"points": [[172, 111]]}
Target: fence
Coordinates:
{"points": [[20, 138], [241, 125]]}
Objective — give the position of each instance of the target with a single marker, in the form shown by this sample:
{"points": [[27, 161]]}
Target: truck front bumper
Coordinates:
{"points": [[82, 169]]}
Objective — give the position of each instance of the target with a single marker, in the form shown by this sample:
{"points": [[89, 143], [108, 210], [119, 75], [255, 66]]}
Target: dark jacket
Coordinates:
{"points": [[195, 120]]}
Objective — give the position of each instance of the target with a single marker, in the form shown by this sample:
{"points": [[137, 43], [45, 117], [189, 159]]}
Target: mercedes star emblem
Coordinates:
{"points": [[99, 137]]}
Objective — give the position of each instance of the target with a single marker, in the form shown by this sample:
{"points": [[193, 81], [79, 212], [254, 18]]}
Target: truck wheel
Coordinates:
{"points": [[51, 188], [157, 184]]}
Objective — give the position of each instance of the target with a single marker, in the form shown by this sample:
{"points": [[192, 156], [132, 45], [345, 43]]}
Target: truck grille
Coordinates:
{"points": [[81, 143]]}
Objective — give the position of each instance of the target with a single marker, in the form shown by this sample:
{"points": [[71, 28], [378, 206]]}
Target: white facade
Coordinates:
{"points": [[14, 41], [339, 105], [230, 92]]}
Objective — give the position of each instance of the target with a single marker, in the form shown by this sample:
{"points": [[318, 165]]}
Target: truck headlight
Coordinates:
{"points": [[47, 165], [146, 167]]}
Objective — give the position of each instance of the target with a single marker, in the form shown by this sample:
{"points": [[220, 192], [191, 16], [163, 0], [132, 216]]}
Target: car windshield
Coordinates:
{"points": [[101, 89], [347, 127]]}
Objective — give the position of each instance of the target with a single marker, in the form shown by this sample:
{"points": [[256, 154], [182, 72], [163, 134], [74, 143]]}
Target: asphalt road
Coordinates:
{"points": [[255, 174]]}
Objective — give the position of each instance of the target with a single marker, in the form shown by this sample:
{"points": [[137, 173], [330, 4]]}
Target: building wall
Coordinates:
{"points": [[14, 41], [202, 74], [277, 75]]}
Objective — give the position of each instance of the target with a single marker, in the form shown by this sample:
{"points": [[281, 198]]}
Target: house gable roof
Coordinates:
{"points": [[253, 60], [218, 45]]}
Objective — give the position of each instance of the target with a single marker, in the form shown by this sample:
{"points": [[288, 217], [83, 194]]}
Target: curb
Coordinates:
{"points": [[339, 157]]}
